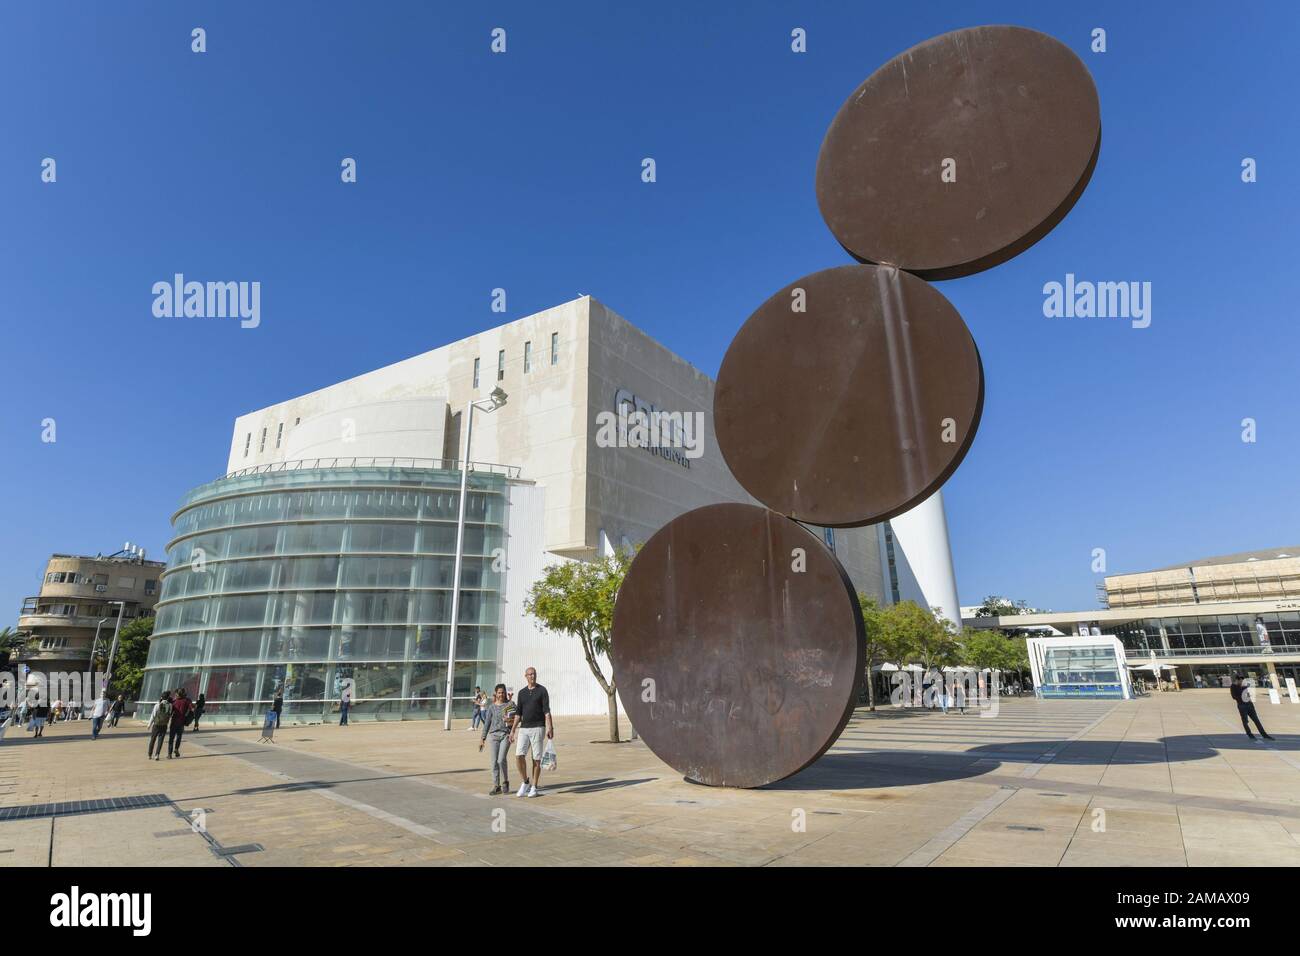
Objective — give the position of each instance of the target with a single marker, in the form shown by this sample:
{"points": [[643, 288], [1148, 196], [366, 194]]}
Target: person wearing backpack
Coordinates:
{"points": [[1243, 692], [182, 714], [158, 721]]}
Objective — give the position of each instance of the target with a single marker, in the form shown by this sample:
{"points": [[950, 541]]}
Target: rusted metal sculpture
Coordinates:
{"points": [[1015, 114], [855, 410], [745, 641], [848, 397]]}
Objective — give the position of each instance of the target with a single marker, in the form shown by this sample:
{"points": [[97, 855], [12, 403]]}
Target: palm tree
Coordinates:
{"points": [[10, 641]]}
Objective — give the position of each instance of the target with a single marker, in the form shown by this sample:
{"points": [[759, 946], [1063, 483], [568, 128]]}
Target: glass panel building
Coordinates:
{"points": [[1079, 667], [299, 579]]}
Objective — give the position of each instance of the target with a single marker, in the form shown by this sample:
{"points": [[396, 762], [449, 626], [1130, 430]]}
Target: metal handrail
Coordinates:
{"points": [[1220, 651], [447, 464]]}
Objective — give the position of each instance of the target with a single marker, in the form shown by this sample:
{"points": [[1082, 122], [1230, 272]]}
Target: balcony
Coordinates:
{"points": [[27, 621]]}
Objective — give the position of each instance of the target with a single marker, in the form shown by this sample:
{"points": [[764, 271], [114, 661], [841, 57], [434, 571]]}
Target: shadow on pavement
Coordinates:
{"points": [[912, 767]]}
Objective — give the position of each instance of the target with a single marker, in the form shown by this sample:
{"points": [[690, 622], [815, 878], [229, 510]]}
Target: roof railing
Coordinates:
{"points": [[447, 464]]}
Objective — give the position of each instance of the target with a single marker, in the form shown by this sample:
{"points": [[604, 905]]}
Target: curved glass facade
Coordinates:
{"points": [[305, 578]]}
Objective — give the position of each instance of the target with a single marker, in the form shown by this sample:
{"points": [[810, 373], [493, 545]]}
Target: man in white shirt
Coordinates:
{"points": [[98, 714]]}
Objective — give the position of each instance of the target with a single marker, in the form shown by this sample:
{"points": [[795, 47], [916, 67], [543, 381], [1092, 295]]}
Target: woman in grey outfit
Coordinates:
{"points": [[497, 718]]}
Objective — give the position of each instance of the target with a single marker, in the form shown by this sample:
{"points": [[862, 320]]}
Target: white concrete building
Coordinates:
{"points": [[562, 495]]}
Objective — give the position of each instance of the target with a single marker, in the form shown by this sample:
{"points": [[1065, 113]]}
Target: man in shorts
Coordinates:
{"points": [[532, 721]]}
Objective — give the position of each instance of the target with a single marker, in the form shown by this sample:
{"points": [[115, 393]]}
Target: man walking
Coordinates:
{"points": [[182, 707], [158, 721], [1243, 692], [98, 714], [277, 704], [532, 721], [115, 712]]}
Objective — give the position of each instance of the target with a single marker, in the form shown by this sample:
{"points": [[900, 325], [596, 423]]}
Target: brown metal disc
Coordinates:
{"points": [[738, 646], [1013, 109], [856, 409]]}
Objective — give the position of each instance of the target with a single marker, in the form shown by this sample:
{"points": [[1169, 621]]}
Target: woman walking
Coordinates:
{"points": [[497, 718]]}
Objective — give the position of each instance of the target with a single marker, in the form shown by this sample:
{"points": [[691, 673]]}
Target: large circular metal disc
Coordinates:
{"points": [[738, 646], [856, 409], [1010, 114]]}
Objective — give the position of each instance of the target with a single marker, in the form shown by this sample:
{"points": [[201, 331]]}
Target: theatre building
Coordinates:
{"points": [[326, 553]]}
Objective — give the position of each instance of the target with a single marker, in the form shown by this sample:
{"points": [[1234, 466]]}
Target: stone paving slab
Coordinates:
{"points": [[1165, 780]]}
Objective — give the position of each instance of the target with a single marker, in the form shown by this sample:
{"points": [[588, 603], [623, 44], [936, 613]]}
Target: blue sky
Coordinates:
{"points": [[522, 171]]}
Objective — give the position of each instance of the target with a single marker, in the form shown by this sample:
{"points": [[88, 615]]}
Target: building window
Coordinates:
{"points": [[150, 587], [278, 432], [891, 563], [501, 365], [555, 348], [248, 443], [829, 535], [476, 363], [261, 445], [297, 420], [528, 357]]}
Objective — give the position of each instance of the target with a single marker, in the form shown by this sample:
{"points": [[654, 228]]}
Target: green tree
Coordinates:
{"points": [[577, 598], [981, 649], [1017, 656], [936, 644], [10, 641], [132, 652], [997, 606], [878, 648]]}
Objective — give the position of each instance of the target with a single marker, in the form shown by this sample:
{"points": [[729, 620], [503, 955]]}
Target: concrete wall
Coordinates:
{"points": [[559, 660], [408, 427]]}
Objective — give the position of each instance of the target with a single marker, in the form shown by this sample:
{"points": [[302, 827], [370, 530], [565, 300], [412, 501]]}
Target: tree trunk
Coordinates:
{"points": [[613, 716], [871, 689]]}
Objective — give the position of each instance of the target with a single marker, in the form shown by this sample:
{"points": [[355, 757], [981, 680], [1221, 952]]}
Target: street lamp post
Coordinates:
{"points": [[495, 401], [112, 654], [95, 644]]}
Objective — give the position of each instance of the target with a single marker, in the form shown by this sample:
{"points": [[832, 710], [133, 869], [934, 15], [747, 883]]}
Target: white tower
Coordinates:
{"points": [[923, 557]]}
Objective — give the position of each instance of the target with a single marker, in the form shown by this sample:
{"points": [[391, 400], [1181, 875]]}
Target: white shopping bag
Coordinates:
{"points": [[548, 756]]}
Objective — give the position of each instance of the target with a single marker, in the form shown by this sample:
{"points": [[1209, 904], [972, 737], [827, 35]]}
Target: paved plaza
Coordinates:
{"points": [[1166, 780]]}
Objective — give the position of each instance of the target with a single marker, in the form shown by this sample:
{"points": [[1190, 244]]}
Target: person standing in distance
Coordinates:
{"points": [[1244, 694], [532, 720]]}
